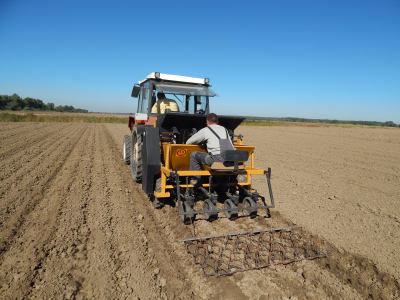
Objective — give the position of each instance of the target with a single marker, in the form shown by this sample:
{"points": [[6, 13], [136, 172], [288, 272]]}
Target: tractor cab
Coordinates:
{"points": [[192, 97], [190, 94]]}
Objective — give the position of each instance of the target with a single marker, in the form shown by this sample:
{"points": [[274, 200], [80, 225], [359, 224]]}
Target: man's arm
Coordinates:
{"points": [[196, 138]]}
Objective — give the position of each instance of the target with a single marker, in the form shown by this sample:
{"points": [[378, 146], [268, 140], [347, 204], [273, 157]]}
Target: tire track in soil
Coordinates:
{"points": [[22, 263], [27, 191]]}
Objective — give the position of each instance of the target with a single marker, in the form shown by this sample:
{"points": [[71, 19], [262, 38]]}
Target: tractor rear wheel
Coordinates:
{"points": [[136, 158], [126, 149]]}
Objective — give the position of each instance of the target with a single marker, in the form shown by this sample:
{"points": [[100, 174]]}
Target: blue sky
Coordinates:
{"points": [[316, 59]]}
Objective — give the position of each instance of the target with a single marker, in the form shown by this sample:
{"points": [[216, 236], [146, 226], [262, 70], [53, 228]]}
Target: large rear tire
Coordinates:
{"points": [[126, 149], [136, 158]]}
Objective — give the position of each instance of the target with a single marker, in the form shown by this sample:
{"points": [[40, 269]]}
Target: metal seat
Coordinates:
{"points": [[223, 167], [233, 162]]}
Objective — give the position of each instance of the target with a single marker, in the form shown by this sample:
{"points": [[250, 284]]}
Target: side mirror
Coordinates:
{"points": [[135, 91]]}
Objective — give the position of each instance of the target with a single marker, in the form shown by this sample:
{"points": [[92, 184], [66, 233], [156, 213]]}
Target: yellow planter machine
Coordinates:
{"points": [[159, 158]]}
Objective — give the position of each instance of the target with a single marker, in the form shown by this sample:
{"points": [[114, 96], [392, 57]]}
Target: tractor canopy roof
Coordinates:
{"points": [[184, 89], [175, 84], [176, 78]]}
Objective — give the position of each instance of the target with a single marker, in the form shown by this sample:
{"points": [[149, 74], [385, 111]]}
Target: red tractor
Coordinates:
{"points": [[159, 158]]}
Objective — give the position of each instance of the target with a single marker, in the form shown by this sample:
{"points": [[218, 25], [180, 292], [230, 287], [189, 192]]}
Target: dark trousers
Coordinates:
{"points": [[201, 158]]}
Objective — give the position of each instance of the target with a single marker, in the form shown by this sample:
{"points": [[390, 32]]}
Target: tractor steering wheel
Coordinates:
{"points": [[201, 112]]}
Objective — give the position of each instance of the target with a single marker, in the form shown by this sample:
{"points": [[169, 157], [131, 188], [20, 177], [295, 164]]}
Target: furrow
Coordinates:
{"points": [[9, 130], [24, 195], [35, 160], [18, 159], [29, 140], [60, 272]]}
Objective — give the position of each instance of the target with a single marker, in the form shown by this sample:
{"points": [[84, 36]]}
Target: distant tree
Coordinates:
{"points": [[13, 105], [69, 108], [15, 102], [390, 124], [15, 97], [4, 99], [50, 106], [30, 103]]}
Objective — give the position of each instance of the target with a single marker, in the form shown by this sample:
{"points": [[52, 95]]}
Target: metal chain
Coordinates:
{"points": [[228, 254]]}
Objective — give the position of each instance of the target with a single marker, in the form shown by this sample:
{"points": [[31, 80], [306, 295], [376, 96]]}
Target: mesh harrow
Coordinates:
{"points": [[238, 252]]}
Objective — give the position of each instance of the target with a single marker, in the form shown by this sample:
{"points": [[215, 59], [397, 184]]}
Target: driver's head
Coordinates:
{"points": [[160, 95], [212, 119]]}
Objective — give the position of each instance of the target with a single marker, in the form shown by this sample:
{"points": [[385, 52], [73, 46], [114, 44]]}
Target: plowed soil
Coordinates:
{"points": [[73, 224]]}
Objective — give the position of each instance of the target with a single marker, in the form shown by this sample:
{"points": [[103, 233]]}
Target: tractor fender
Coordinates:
{"points": [[131, 123], [138, 130], [151, 158]]}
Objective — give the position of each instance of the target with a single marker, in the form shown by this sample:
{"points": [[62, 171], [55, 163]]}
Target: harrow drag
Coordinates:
{"points": [[237, 252]]}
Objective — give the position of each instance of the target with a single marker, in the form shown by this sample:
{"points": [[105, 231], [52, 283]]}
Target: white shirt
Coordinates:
{"points": [[206, 135]]}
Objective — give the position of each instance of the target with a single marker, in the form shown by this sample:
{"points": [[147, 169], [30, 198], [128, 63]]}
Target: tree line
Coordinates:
{"points": [[15, 102]]}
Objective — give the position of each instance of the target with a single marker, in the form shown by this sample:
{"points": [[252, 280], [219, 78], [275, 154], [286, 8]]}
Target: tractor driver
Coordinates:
{"points": [[163, 104], [209, 135]]}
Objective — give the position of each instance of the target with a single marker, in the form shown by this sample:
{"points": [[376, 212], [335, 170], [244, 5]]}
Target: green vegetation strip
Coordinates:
{"points": [[30, 117]]}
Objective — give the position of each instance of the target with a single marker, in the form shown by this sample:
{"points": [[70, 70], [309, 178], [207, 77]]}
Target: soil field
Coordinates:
{"points": [[74, 225]]}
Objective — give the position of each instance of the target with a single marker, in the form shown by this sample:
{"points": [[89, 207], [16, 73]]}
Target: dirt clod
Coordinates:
{"points": [[163, 282]]}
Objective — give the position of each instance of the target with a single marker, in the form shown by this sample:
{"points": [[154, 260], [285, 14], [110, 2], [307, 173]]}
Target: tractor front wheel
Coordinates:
{"points": [[136, 158], [126, 149]]}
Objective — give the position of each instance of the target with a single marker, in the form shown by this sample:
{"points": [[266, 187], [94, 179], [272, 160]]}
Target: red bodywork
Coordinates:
{"points": [[152, 120]]}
